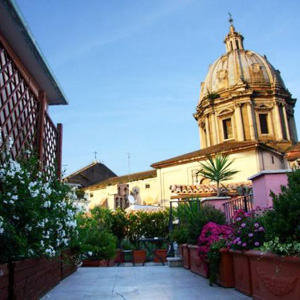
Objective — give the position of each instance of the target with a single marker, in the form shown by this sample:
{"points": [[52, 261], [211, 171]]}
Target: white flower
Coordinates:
{"points": [[42, 244], [1, 230], [15, 197], [90, 253]]}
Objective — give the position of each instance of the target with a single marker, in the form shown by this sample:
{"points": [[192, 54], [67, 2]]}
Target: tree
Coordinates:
{"points": [[217, 169]]}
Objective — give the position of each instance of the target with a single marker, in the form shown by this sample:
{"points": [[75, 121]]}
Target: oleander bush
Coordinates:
{"points": [[37, 217]]}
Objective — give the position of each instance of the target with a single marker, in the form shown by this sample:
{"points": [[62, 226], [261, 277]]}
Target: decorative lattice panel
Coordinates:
{"points": [[50, 143], [19, 114]]}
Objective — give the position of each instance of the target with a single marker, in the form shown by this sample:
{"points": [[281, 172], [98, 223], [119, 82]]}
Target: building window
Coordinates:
{"points": [[273, 160], [263, 120], [227, 129], [147, 186]]}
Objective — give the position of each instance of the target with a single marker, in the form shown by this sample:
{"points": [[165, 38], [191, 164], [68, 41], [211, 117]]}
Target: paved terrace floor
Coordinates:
{"points": [[151, 282]]}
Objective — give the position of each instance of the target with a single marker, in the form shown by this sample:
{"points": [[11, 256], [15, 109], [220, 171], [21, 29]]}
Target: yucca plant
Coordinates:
{"points": [[217, 169]]}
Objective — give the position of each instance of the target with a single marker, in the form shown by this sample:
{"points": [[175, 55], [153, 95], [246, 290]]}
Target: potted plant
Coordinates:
{"points": [[248, 233], [97, 244], [276, 267], [210, 234]]}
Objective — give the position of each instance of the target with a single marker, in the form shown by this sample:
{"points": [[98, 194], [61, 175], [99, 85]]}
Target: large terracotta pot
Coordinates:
{"points": [[4, 282], [162, 253], [226, 270], [139, 256], [274, 277], [186, 256], [95, 263], [242, 273], [198, 263]]}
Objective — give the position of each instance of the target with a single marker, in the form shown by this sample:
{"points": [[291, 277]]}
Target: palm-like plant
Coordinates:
{"points": [[217, 169]]}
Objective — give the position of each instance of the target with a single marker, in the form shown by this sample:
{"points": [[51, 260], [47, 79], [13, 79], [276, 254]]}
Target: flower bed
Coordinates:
{"points": [[274, 277]]}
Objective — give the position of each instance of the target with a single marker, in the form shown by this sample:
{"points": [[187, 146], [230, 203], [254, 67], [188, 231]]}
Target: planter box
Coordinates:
{"points": [[68, 264], [139, 256], [198, 263], [242, 273], [226, 270], [118, 258], [274, 277], [162, 253], [32, 278], [4, 281], [95, 263], [186, 256]]}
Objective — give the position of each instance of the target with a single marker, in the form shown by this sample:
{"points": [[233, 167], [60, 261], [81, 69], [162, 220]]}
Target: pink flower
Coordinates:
{"points": [[250, 234], [256, 225], [244, 244], [256, 244], [243, 225], [261, 229]]}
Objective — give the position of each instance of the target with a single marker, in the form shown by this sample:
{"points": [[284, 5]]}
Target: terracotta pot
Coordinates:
{"points": [[162, 253], [95, 263], [226, 271], [186, 256], [4, 282], [274, 277], [139, 256], [242, 273], [198, 263], [118, 258]]}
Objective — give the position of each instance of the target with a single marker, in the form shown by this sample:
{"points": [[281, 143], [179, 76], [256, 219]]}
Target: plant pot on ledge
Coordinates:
{"points": [[274, 277], [139, 256], [226, 270], [242, 273], [198, 263]]}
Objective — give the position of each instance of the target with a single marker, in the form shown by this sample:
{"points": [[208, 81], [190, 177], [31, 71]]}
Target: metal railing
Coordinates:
{"points": [[244, 202]]}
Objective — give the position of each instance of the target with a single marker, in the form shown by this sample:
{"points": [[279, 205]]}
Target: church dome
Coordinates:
{"points": [[238, 66]]}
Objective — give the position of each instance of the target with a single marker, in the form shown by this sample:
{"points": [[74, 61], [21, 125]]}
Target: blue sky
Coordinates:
{"points": [[131, 70]]}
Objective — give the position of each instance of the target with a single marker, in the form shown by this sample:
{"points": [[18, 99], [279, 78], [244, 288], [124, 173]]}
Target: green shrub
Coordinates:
{"points": [[95, 242], [179, 235], [119, 224], [196, 222], [284, 220]]}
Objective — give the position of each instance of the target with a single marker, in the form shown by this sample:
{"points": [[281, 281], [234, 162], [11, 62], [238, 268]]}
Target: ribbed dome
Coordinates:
{"points": [[239, 66]]}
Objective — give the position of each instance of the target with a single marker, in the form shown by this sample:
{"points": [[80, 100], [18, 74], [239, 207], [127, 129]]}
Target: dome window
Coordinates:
{"points": [[227, 129], [263, 120]]}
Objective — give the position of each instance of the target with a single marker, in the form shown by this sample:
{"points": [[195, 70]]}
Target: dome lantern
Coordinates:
{"points": [[233, 40]]}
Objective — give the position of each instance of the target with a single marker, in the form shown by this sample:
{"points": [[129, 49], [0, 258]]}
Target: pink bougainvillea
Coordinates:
{"points": [[211, 233]]}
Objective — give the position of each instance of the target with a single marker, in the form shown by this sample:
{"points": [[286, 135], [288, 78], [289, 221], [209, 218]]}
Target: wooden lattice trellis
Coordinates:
{"points": [[23, 116]]}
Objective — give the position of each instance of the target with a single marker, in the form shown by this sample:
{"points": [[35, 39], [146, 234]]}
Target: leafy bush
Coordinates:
{"points": [[196, 221], [37, 217], [283, 221], [94, 240], [146, 224], [119, 223], [179, 235], [248, 231], [281, 248]]}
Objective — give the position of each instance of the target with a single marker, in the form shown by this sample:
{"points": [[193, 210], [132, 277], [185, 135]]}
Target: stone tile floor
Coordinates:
{"points": [[151, 282]]}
